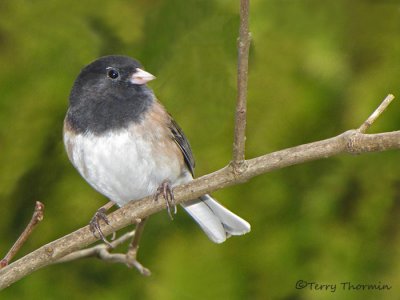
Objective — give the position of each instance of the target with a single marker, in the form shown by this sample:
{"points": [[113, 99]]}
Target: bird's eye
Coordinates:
{"points": [[113, 74]]}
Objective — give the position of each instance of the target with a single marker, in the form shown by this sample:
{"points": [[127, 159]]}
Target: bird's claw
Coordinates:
{"points": [[95, 226], [166, 191]]}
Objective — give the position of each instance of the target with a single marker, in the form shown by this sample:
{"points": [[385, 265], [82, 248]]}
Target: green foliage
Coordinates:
{"points": [[316, 69]]}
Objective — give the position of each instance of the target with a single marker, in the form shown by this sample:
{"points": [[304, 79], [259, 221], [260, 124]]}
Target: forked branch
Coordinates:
{"points": [[352, 141]]}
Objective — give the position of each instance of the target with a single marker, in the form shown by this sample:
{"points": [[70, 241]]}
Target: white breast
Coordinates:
{"points": [[125, 166]]}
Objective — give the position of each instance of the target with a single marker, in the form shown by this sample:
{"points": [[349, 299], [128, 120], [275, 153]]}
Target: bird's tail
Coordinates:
{"points": [[216, 221]]}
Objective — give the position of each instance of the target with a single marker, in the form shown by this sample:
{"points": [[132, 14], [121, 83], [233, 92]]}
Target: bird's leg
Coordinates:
{"points": [[165, 190], [94, 222], [133, 249]]}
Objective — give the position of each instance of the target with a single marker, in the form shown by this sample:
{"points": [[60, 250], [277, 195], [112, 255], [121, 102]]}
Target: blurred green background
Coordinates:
{"points": [[317, 68]]}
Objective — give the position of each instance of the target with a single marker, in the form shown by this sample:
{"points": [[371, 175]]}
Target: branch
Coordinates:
{"points": [[96, 251], [375, 115], [102, 252], [238, 162], [352, 142], [36, 218]]}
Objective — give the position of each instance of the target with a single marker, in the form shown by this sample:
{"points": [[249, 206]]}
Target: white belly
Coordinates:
{"points": [[123, 167]]}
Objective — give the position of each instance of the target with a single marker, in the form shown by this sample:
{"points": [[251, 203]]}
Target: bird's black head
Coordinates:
{"points": [[108, 94]]}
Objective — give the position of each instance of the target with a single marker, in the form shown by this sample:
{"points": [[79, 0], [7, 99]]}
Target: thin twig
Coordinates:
{"points": [[36, 218], [134, 246], [372, 118], [95, 250], [102, 251], [241, 110], [131, 255]]}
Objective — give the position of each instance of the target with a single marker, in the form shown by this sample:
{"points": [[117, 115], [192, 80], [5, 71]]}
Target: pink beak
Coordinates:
{"points": [[141, 77]]}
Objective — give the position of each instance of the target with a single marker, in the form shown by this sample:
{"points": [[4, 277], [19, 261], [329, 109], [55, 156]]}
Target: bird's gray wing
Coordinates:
{"points": [[183, 144]]}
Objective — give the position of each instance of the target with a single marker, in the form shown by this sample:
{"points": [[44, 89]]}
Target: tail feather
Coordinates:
{"points": [[217, 222]]}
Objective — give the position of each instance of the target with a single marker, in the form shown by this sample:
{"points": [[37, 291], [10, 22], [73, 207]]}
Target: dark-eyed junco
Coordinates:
{"points": [[126, 146]]}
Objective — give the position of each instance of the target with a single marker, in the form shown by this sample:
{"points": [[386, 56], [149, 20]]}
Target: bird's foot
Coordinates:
{"points": [[95, 226], [166, 191]]}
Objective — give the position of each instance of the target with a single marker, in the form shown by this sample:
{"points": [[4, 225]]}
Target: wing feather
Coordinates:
{"points": [[183, 144]]}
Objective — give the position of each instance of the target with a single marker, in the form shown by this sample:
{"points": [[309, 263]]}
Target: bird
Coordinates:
{"points": [[125, 144]]}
